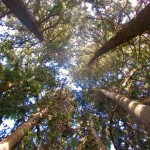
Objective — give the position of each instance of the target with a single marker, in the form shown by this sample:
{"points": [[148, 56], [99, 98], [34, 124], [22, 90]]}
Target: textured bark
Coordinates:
{"points": [[13, 139], [139, 111], [100, 145], [136, 26], [22, 13], [145, 101]]}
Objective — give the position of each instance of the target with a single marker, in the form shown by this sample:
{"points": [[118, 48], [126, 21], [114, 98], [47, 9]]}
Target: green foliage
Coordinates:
{"points": [[30, 78]]}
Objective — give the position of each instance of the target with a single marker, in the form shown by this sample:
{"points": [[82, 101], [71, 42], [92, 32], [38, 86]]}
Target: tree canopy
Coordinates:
{"points": [[57, 89]]}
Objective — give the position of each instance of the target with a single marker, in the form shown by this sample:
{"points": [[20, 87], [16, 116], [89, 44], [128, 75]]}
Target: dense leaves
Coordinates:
{"points": [[54, 74]]}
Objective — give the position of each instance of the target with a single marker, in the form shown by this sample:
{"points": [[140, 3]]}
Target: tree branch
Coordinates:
{"points": [[136, 26]]}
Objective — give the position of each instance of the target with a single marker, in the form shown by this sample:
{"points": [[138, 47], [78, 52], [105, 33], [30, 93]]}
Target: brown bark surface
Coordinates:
{"points": [[139, 111], [20, 10], [136, 26], [145, 101], [13, 139]]}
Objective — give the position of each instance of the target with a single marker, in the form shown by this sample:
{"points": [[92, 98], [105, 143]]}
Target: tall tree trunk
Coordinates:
{"points": [[139, 111], [100, 145], [20, 10], [134, 27], [13, 139]]}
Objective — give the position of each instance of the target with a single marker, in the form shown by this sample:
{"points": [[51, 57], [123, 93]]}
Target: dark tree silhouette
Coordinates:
{"points": [[136, 26], [20, 10]]}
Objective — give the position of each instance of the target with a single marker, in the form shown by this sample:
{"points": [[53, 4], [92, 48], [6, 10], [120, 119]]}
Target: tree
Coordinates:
{"points": [[47, 109], [114, 70], [12, 140], [54, 75], [139, 111], [20, 10], [21, 79], [136, 26]]}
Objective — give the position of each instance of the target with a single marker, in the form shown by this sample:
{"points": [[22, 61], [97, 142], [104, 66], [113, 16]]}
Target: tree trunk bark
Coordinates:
{"points": [[100, 145], [136, 26], [13, 139], [145, 101], [20, 10], [139, 111]]}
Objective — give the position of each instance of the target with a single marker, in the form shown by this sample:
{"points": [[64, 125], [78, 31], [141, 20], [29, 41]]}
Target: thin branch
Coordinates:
{"points": [[110, 126], [100, 145], [47, 17], [53, 25]]}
